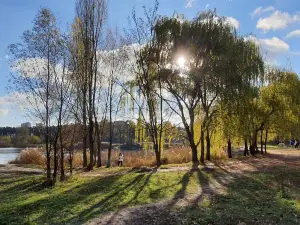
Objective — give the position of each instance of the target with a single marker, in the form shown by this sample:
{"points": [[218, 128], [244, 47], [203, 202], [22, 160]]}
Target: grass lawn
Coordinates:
{"points": [[25, 201], [263, 197]]}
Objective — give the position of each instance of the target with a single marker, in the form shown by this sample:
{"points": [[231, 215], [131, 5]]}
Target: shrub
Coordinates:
{"points": [[30, 156], [131, 158]]}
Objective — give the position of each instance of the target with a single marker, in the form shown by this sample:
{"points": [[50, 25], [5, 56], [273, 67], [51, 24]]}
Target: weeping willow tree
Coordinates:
{"points": [[217, 64], [140, 131]]}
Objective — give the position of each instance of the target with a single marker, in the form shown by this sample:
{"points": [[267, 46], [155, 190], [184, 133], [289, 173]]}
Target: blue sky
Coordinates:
{"points": [[273, 24]]}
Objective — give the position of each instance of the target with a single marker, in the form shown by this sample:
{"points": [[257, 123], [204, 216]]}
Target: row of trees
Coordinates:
{"points": [[20, 138], [199, 73]]}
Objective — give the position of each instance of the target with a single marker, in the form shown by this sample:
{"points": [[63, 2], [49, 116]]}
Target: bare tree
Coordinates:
{"points": [[113, 63], [34, 63], [146, 66], [90, 18]]}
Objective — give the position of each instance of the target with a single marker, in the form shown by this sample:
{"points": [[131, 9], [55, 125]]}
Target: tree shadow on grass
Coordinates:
{"points": [[250, 199], [134, 198], [24, 185], [52, 204], [167, 212]]}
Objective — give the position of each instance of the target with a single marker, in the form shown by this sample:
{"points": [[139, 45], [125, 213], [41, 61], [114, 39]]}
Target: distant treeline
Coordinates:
{"points": [[19, 137], [12, 131]]}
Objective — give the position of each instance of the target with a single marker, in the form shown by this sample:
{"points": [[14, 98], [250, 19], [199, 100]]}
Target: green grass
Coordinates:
{"points": [[259, 198], [269, 197], [25, 201]]}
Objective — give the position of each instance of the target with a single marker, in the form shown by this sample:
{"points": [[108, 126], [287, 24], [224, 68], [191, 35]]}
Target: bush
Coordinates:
{"points": [[135, 159], [281, 145], [30, 156]]}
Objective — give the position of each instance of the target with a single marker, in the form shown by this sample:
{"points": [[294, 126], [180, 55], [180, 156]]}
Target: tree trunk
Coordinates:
{"points": [[110, 126], [55, 160], [71, 160], [110, 143], [49, 181], [252, 146], [98, 139], [246, 150], [84, 141], [71, 151], [266, 139], [48, 160], [202, 145], [229, 149], [207, 145], [91, 143], [255, 142], [62, 165], [91, 122], [157, 155], [261, 142]]}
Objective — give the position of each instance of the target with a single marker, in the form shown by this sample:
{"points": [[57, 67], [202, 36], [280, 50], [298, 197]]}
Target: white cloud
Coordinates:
{"points": [[295, 33], [276, 21], [189, 3], [207, 6], [233, 22], [3, 112], [227, 20], [271, 48], [4, 100], [261, 10], [275, 45]]}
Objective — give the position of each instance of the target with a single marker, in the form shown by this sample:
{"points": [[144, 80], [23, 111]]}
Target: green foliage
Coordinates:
{"points": [[34, 140], [5, 141]]}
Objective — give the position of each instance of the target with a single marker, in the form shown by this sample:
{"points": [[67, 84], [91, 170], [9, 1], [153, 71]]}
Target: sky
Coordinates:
{"points": [[273, 24]]}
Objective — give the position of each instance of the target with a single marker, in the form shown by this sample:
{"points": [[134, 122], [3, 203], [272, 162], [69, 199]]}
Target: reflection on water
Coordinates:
{"points": [[7, 154]]}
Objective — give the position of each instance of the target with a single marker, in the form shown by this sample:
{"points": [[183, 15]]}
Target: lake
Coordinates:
{"points": [[7, 154]]}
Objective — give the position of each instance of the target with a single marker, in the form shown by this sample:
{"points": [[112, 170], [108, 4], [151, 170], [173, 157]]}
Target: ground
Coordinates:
{"points": [[254, 190]]}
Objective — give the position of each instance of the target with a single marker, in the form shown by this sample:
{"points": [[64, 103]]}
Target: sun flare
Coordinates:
{"points": [[181, 62]]}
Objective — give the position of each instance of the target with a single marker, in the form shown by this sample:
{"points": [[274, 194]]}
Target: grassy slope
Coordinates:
{"points": [[23, 200], [260, 198]]}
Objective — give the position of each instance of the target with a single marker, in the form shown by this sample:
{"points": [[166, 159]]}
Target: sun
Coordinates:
{"points": [[181, 62]]}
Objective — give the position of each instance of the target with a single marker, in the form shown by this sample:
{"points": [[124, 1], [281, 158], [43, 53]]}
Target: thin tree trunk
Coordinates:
{"points": [[71, 160], [202, 146], [229, 148], [266, 139], [91, 123], [62, 166], [49, 181], [110, 126], [110, 140], [91, 143], [98, 140], [157, 154], [261, 142], [84, 141], [255, 143], [55, 159], [252, 146], [207, 145], [71, 151], [246, 150]]}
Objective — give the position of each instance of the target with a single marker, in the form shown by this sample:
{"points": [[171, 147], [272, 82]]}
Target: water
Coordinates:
{"points": [[7, 154]]}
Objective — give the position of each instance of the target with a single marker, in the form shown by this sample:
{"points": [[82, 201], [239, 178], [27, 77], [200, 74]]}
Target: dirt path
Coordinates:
{"points": [[12, 168]]}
